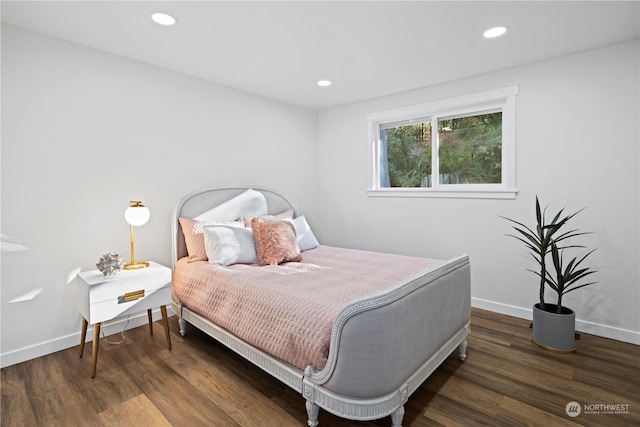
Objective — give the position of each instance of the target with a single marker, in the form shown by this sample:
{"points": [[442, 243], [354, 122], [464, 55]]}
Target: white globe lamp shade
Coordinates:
{"points": [[137, 214]]}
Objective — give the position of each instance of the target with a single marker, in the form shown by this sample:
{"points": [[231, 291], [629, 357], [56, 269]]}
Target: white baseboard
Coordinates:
{"points": [[605, 331], [63, 343]]}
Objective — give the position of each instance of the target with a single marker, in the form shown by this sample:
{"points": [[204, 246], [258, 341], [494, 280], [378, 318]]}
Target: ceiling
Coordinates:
{"points": [[366, 48]]}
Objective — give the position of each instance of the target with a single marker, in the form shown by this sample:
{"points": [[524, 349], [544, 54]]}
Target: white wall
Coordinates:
{"points": [[84, 132], [577, 145]]}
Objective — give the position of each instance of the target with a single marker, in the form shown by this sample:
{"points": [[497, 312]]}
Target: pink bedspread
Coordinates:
{"points": [[289, 310]]}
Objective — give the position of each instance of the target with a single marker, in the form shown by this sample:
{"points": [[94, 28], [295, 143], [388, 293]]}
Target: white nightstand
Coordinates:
{"points": [[103, 298]]}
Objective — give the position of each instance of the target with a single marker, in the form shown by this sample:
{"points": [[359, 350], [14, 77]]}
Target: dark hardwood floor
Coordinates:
{"points": [[505, 381]]}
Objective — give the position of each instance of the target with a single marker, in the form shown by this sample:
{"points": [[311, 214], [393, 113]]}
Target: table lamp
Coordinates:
{"points": [[136, 215]]}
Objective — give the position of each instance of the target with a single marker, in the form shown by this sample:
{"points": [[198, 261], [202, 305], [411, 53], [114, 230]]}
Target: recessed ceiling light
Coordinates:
{"points": [[324, 83], [163, 18], [495, 32]]}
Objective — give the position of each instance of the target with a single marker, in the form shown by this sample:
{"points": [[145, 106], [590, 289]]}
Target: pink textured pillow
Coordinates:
{"points": [[275, 241], [193, 230]]}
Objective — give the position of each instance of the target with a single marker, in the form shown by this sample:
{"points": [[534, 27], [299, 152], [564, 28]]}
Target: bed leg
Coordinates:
{"points": [[313, 411], [462, 350], [397, 416], [183, 326]]}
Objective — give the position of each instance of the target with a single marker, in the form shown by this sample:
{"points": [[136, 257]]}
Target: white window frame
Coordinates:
{"points": [[503, 99]]}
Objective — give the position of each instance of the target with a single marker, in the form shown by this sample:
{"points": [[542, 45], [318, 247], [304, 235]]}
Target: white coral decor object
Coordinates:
{"points": [[110, 264]]}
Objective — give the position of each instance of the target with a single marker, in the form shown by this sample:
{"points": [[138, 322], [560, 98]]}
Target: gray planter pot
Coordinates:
{"points": [[554, 331]]}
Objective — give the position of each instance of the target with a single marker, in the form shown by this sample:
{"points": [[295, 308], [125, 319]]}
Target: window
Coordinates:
{"points": [[458, 147]]}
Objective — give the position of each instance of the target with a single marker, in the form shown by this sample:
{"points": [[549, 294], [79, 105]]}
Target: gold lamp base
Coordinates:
{"points": [[136, 265]]}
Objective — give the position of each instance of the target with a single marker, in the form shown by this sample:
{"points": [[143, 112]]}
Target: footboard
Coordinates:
{"points": [[383, 347]]}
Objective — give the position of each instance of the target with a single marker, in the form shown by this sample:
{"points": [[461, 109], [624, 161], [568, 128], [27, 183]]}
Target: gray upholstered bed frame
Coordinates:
{"points": [[413, 328]]}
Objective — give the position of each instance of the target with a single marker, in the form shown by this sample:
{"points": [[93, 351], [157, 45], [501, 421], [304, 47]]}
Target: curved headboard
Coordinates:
{"points": [[197, 202]]}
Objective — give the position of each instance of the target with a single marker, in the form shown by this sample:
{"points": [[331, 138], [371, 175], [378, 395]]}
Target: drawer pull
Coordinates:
{"points": [[131, 296]]}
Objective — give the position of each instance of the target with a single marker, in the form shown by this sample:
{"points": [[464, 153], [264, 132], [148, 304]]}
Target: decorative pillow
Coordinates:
{"points": [[194, 239], [248, 204], [229, 245], [305, 237], [288, 214], [275, 241]]}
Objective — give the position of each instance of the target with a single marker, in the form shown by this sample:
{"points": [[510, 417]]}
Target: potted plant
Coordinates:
{"points": [[553, 324]]}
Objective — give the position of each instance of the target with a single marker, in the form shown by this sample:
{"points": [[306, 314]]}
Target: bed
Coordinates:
{"points": [[389, 322]]}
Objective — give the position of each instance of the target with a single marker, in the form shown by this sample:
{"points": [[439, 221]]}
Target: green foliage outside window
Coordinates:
{"points": [[407, 147], [470, 152]]}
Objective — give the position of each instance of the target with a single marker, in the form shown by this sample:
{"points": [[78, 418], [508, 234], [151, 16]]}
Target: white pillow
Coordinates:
{"points": [[193, 232], [229, 245], [248, 204], [306, 239], [288, 214]]}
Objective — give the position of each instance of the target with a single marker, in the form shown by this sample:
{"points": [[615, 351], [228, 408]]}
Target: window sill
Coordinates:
{"points": [[446, 194]]}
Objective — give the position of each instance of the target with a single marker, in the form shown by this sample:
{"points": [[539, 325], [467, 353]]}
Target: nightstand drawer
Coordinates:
{"points": [[103, 298], [110, 309]]}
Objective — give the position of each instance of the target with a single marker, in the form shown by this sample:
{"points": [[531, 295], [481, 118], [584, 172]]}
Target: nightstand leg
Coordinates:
{"points": [[83, 335], [150, 321], [163, 310], [96, 342]]}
